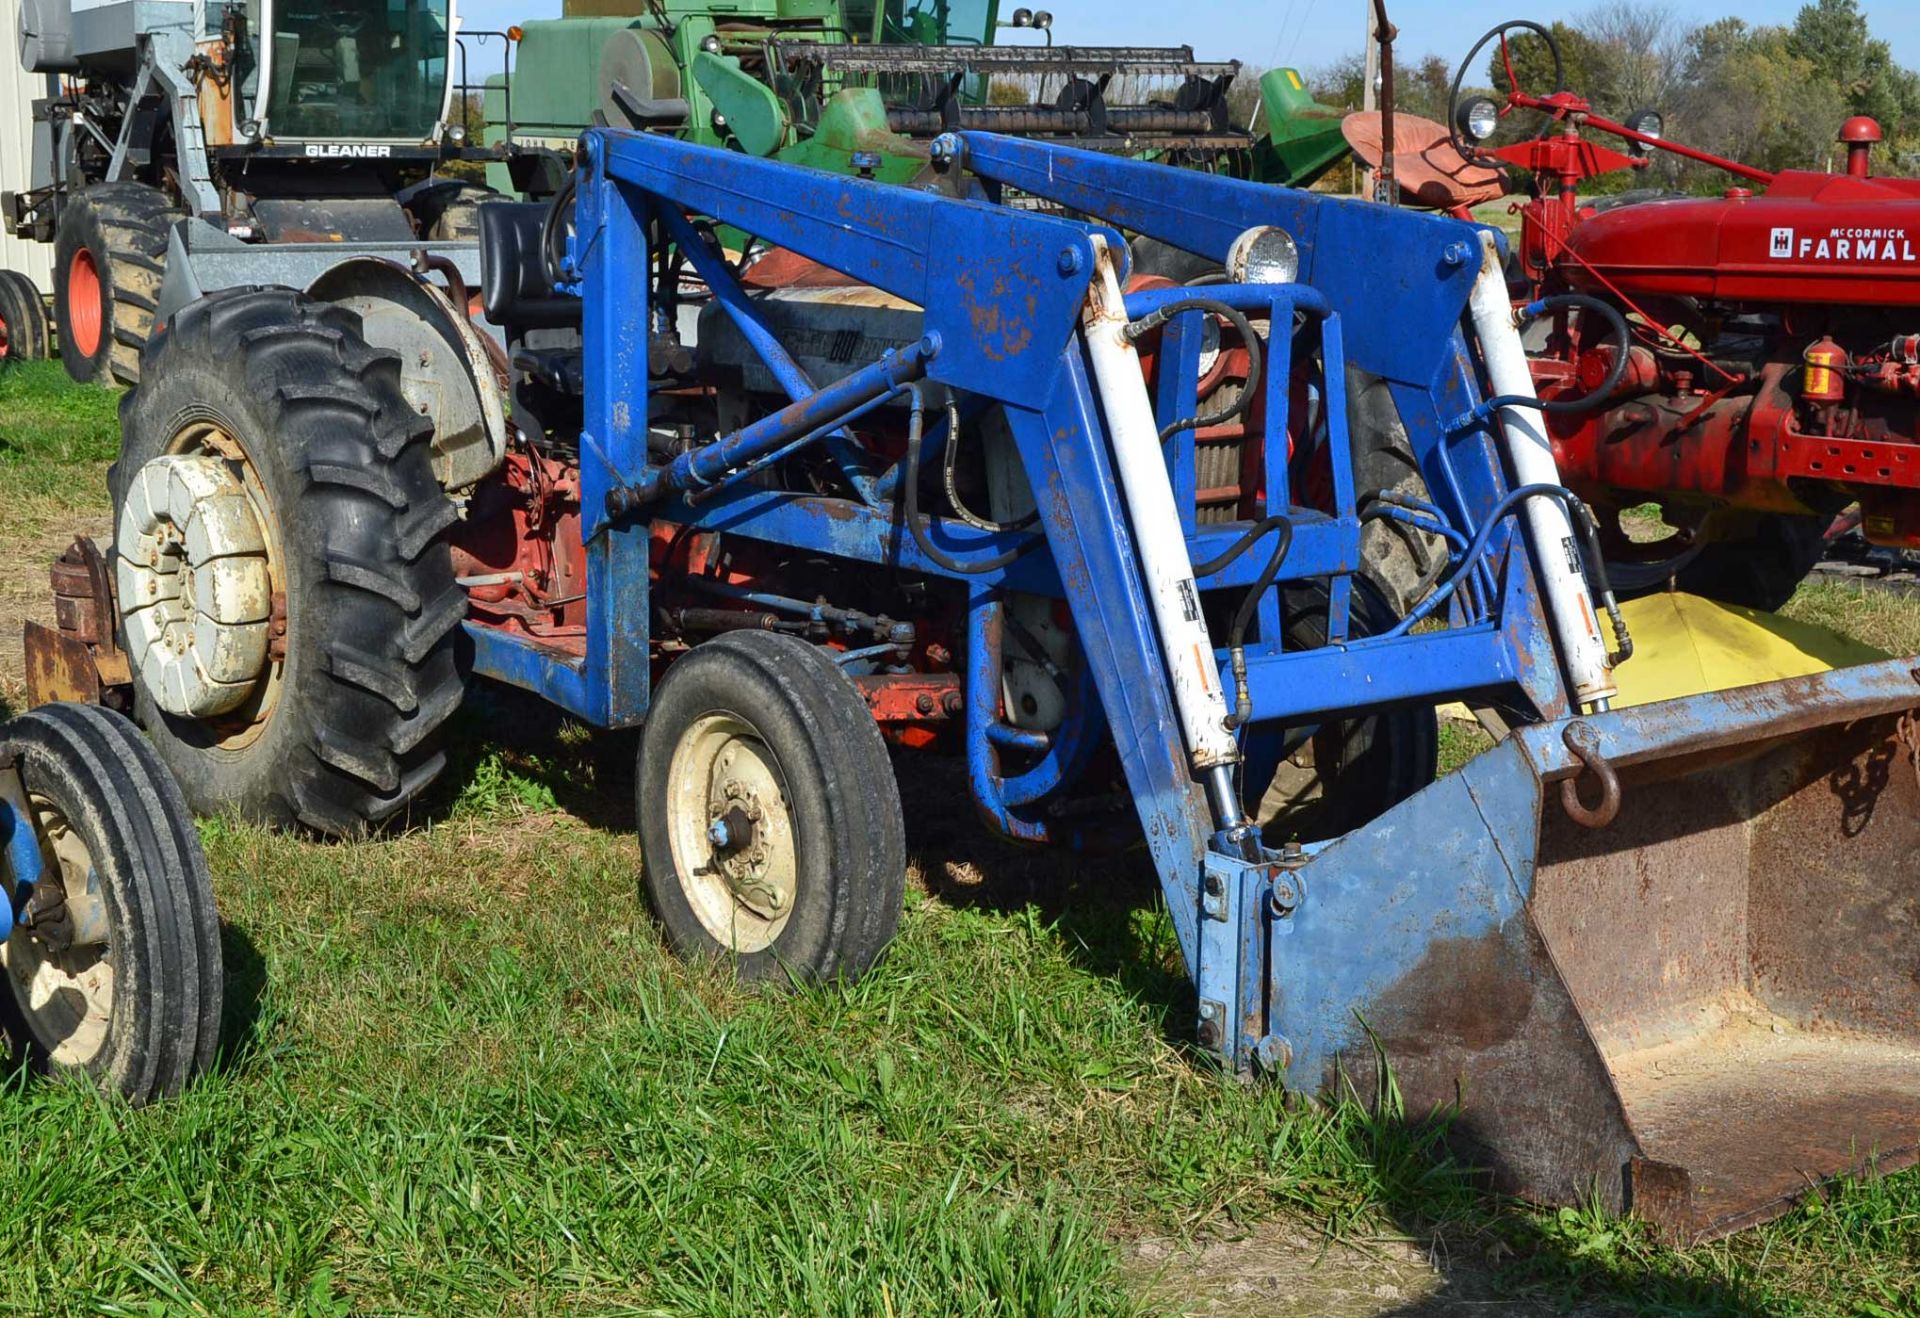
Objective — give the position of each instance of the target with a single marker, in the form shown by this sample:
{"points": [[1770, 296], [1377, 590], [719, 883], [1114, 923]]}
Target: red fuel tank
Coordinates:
{"points": [[1809, 238]]}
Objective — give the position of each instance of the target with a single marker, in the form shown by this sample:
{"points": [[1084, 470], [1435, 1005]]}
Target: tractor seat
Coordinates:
{"points": [[514, 290]]}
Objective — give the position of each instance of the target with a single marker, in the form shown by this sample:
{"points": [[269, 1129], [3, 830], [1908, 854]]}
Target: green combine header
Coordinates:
{"points": [[857, 87]]}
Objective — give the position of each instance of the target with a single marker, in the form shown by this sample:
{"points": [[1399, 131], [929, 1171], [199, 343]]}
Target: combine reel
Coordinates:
{"points": [[109, 942]]}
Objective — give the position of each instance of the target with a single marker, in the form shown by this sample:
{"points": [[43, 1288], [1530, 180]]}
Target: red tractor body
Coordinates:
{"points": [[1772, 334]]}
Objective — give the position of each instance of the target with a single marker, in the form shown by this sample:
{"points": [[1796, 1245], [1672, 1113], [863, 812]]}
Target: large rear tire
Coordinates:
{"points": [[1349, 770], [109, 254], [295, 668], [24, 333], [1758, 568], [115, 970], [769, 816]]}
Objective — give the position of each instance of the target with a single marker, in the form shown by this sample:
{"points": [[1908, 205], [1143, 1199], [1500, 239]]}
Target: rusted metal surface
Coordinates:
{"points": [[1699, 1012], [59, 667]]}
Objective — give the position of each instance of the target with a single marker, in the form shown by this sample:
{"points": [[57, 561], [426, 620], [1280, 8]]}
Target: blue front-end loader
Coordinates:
{"points": [[937, 467]]}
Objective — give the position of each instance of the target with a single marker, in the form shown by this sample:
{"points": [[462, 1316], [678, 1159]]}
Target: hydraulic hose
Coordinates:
{"points": [[910, 496], [1153, 320], [1249, 603]]}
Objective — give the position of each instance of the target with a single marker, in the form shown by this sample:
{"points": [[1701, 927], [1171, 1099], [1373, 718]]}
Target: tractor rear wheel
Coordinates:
{"points": [[769, 817], [24, 334], [1757, 568], [114, 968], [450, 211], [286, 593], [109, 254], [1344, 772]]}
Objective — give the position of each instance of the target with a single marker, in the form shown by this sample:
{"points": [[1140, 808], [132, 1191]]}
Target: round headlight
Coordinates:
{"points": [[1263, 255], [456, 134], [1477, 118], [1022, 18], [1648, 123]]}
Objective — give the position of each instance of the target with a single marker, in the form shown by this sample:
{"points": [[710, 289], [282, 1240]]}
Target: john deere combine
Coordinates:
{"points": [[855, 86]]}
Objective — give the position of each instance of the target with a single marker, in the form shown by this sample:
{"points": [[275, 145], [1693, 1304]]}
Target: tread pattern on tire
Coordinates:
{"points": [[868, 832], [134, 220], [168, 967], [29, 335], [373, 690]]}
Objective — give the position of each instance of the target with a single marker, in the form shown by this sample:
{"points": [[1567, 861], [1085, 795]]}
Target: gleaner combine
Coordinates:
{"points": [[1758, 352], [186, 146], [1662, 954]]}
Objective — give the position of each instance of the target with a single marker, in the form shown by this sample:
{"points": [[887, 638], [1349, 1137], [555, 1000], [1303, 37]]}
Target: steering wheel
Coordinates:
{"points": [[1470, 150]]}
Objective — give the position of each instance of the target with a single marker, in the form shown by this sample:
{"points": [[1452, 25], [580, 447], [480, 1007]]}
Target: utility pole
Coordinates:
{"points": [[1369, 100]]}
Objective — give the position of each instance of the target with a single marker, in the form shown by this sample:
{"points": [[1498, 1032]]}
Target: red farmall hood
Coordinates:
{"points": [[1808, 238]]}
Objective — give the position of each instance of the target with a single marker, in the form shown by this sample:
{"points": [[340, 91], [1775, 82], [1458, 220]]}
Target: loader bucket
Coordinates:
{"points": [[1699, 1011]]}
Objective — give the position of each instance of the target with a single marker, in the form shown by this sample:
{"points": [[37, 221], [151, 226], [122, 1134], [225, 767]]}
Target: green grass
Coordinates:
{"points": [[461, 1075], [48, 424]]}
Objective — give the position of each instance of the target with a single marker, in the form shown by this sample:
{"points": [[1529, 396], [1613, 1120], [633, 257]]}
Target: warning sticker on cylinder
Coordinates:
{"points": [[1189, 599], [1841, 243]]}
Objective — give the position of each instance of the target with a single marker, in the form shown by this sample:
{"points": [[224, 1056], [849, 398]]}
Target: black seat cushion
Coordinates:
{"points": [[514, 291]]}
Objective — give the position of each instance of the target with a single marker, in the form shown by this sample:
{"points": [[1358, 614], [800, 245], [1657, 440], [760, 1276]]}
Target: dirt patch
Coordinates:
{"points": [[1279, 1271]]}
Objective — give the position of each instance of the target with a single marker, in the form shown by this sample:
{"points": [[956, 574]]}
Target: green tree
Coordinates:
{"points": [[1834, 39]]}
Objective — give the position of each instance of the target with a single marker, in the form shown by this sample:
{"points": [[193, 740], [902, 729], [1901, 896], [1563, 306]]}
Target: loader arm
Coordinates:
{"points": [[1548, 962]]}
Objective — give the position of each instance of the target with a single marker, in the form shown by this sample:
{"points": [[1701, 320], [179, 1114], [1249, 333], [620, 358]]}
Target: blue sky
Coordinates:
{"points": [[1309, 33]]}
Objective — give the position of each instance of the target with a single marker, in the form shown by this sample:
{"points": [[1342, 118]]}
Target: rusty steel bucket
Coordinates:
{"points": [[1696, 1012]]}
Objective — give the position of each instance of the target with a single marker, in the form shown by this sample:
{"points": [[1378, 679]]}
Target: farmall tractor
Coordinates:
{"points": [[1748, 363]]}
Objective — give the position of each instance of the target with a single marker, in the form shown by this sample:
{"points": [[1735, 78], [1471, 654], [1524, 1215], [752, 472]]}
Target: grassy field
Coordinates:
{"points": [[460, 1075]]}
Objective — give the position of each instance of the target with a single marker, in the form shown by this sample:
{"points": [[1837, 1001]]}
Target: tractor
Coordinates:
{"points": [[184, 147], [1757, 351], [861, 87], [109, 940], [920, 471]]}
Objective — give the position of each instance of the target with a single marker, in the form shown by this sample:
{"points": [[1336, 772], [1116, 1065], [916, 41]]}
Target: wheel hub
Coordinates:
{"points": [[733, 839], [61, 974], [195, 591]]}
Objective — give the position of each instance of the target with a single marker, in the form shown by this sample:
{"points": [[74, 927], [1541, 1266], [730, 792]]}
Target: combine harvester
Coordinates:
{"points": [[859, 87], [1663, 955]]}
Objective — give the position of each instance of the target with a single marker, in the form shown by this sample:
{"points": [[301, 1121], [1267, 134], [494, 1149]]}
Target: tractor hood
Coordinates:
{"points": [[1809, 238]]}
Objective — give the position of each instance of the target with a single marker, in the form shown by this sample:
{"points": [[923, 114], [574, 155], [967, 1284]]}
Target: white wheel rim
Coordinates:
{"points": [[65, 996], [194, 585], [730, 827]]}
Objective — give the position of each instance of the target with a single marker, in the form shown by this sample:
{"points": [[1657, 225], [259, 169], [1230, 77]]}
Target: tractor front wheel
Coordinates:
{"points": [[286, 595], [113, 967], [769, 817], [109, 254]]}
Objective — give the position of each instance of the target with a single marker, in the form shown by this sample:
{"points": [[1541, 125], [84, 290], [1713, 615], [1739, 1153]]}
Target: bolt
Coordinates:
{"points": [[718, 833], [944, 149], [953, 702], [1209, 1034], [1273, 1053], [1070, 261], [1456, 254], [940, 656], [1214, 886], [923, 703]]}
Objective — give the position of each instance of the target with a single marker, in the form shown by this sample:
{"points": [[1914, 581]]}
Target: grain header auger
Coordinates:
{"points": [[1659, 955]]}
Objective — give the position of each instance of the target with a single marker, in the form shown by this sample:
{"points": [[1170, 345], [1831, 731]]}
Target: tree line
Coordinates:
{"points": [[1771, 96]]}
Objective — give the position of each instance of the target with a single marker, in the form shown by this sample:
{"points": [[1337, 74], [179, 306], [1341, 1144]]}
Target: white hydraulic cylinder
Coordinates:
{"points": [[1141, 464], [1529, 454]]}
